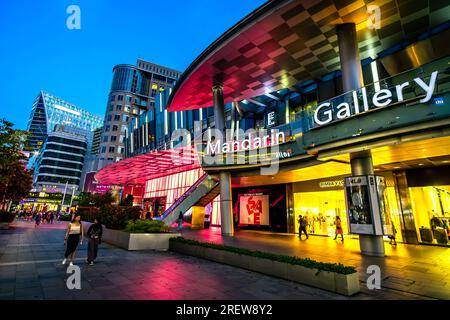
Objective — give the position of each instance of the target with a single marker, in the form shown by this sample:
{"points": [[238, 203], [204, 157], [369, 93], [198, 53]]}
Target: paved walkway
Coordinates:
{"points": [[419, 270], [30, 268]]}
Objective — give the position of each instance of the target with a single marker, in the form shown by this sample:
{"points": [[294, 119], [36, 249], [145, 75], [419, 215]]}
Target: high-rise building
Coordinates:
{"points": [[59, 164], [96, 141], [133, 92], [49, 111]]}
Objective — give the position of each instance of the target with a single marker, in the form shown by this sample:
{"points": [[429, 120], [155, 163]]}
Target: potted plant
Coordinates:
{"points": [[6, 218]]}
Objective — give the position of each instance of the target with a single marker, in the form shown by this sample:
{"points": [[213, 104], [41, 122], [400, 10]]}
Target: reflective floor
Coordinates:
{"points": [[416, 269], [30, 268]]}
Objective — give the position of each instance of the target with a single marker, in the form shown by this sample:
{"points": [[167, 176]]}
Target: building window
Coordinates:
{"points": [[113, 138], [117, 117], [108, 118], [125, 118], [115, 128], [120, 97], [135, 111], [119, 107], [113, 97], [112, 149], [124, 128], [127, 108], [103, 149], [129, 99], [120, 150], [107, 128], [111, 107], [121, 138], [110, 159], [105, 138]]}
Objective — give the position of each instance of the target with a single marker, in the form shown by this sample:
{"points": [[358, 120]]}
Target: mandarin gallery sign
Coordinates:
{"points": [[360, 102]]}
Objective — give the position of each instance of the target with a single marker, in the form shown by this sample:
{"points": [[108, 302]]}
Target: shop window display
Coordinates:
{"points": [[431, 209], [321, 209]]}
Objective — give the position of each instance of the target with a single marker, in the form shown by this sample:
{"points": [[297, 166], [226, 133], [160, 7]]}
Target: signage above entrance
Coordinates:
{"points": [[252, 142], [359, 101]]}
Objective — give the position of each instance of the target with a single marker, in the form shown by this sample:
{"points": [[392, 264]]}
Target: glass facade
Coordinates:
{"points": [[49, 111], [61, 159]]}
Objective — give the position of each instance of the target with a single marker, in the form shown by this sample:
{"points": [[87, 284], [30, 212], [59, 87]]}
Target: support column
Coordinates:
{"points": [[226, 206], [352, 78], [361, 163]]}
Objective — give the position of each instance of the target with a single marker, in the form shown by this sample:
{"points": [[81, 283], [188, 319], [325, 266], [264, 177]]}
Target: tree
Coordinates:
{"points": [[128, 201], [95, 200], [15, 180]]}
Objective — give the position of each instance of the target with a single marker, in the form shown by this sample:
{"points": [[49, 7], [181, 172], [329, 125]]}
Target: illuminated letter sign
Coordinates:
{"points": [[353, 102]]}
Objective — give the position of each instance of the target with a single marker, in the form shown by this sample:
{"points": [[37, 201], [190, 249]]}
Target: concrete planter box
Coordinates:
{"points": [[343, 284], [4, 225], [135, 241]]}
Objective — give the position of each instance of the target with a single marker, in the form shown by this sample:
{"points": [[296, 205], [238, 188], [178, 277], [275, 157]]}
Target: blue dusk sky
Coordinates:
{"points": [[38, 51]]}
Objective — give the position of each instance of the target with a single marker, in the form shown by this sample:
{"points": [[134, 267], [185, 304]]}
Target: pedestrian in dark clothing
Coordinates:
{"points": [[94, 234], [38, 219], [180, 221], [303, 223], [52, 217]]}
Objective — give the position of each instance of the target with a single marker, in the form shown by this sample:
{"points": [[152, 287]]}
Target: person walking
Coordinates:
{"points": [[303, 223], [339, 228], [94, 235], [391, 237], [180, 221], [74, 235], [51, 217], [38, 219]]}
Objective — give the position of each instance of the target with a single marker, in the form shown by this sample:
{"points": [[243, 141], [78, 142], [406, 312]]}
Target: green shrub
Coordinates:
{"points": [[6, 216], [65, 217], [304, 262], [146, 226], [88, 213], [116, 217]]}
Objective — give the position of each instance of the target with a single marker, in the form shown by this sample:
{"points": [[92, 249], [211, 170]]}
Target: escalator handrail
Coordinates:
{"points": [[184, 196]]}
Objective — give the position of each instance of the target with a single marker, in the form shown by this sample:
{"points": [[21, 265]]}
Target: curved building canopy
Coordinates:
{"points": [[286, 42], [139, 169]]}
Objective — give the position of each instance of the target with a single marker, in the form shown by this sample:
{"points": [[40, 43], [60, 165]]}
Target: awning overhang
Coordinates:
{"points": [[286, 42], [151, 165]]}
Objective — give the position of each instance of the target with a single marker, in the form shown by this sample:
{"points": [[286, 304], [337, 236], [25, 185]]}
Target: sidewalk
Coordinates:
{"points": [[418, 270], [30, 268]]}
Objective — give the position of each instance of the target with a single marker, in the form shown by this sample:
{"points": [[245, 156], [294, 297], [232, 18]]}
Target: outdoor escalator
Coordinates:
{"points": [[202, 192]]}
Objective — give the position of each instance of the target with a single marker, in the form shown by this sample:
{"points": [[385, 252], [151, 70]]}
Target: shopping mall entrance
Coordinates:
{"points": [[322, 201], [416, 199]]}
